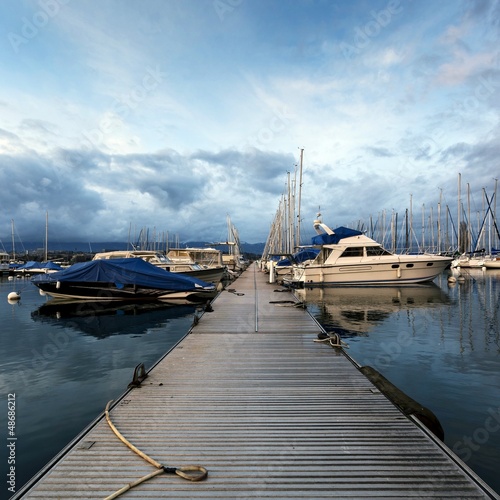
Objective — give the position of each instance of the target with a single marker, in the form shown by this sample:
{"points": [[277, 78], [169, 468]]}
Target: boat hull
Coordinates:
{"points": [[109, 292], [406, 270], [210, 275], [492, 264], [130, 279]]}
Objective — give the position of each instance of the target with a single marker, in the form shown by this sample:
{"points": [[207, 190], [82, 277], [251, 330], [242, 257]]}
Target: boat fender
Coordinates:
{"points": [[58, 285], [404, 402]]}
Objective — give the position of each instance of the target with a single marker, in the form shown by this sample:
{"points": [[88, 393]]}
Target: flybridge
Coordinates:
{"points": [[334, 237]]}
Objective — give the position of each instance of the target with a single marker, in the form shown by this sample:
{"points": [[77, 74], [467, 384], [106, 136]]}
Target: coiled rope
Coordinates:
{"points": [[189, 472], [333, 339]]}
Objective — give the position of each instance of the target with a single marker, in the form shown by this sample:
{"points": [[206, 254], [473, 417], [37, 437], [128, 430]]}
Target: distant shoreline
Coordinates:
{"points": [[105, 246]]}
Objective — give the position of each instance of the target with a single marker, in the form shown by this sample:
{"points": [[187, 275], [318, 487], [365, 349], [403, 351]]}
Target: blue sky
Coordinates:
{"points": [[172, 114]]}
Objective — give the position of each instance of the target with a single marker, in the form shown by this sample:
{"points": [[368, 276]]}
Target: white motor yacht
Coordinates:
{"points": [[348, 257]]}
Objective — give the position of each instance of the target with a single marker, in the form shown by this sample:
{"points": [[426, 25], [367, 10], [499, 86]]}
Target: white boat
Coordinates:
{"points": [[468, 260], [205, 257], [186, 267], [234, 260], [492, 262], [4, 262], [348, 257]]}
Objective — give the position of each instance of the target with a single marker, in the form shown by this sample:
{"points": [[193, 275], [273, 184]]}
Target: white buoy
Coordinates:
{"points": [[14, 296]]}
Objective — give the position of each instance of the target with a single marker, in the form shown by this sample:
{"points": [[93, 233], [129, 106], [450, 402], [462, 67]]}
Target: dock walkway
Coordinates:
{"points": [[267, 411]]}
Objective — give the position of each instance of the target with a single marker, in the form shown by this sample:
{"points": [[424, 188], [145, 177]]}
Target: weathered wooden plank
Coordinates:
{"points": [[268, 411]]}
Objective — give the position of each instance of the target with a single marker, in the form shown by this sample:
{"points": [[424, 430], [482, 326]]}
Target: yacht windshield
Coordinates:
{"points": [[375, 251], [353, 252]]}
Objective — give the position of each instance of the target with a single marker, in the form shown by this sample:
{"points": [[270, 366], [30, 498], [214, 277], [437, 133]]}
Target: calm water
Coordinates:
{"points": [[440, 344], [64, 366]]}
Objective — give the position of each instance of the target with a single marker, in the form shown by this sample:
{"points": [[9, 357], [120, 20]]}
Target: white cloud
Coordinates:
{"points": [[166, 115]]}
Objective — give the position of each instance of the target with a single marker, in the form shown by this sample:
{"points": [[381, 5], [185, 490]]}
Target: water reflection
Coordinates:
{"points": [[438, 343], [357, 310], [477, 300], [104, 319]]}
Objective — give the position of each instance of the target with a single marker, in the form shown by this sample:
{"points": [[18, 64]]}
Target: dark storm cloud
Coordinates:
{"points": [[265, 169], [91, 195]]}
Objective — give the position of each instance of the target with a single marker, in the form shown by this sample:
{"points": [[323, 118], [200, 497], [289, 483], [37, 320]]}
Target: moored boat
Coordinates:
{"points": [[469, 260], [34, 267], [121, 279], [187, 267], [4, 262], [348, 257], [493, 262]]}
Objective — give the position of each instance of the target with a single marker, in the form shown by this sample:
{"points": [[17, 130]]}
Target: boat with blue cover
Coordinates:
{"points": [[121, 279]]}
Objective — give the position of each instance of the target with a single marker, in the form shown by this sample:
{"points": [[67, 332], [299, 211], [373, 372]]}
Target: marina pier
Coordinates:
{"points": [[253, 397]]}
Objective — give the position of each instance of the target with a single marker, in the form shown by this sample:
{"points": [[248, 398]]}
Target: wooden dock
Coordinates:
{"points": [[269, 412]]}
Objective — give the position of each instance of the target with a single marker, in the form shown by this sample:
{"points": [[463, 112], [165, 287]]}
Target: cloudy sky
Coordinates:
{"points": [[171, 114]]}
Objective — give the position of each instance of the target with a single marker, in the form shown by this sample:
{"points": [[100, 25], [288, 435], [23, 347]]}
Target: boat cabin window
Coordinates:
{"points": [[353, 252], [375, 251]]}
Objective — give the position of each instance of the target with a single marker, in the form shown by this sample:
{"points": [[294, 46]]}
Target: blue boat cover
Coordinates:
{"points": [[124, 272], [300, 256], [51, 265], [332, 239], [31, 264]]}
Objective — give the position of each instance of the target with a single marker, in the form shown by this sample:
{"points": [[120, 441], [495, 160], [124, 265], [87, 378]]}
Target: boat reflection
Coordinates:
{"points": [[104, 319], [354, 311]]}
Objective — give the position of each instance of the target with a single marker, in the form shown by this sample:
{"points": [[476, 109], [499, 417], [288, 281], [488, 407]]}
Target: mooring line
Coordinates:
{"points": [[189, 472]]}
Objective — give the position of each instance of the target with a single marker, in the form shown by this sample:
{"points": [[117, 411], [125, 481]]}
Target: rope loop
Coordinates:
{"points": [[189, 472], [333, 339]]}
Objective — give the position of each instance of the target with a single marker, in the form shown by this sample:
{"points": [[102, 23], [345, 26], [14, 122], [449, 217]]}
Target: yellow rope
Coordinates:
{"points": [[189, 472], [334, 340]]}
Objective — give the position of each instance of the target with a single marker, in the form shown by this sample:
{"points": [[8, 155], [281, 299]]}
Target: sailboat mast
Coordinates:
{"points": [[439, 242], [300, 196], [469, 221], [46, 236], [458, 215], [13, 240]]}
